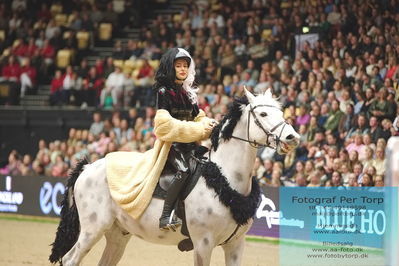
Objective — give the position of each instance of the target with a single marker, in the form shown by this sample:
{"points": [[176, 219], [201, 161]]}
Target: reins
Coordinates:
{"points": [[269, 134]]}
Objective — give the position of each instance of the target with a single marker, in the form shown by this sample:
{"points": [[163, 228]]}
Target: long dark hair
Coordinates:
{"points": [[166, 74]]}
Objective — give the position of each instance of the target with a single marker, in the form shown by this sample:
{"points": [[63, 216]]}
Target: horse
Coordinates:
{"points": [[89, 211]]}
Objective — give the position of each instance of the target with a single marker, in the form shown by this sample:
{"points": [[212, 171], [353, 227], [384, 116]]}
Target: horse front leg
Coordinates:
{"points": [[95, 208], [233, 251], [87, 239], [203, 251], [117, 239]]}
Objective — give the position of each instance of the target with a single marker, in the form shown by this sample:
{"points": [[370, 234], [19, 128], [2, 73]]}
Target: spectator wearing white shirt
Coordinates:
{"points": [[98, 125], [113, 86], [51, 30], [383, 68], [240, 49], [216, 18], [380, 161], [69, 86], [197, 22], [18, 5], [334, 17]]}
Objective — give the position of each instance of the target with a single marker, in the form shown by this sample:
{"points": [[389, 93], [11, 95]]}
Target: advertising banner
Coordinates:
{"points": [[337, 226], [267, 217], [330, 226], [31, 195]]}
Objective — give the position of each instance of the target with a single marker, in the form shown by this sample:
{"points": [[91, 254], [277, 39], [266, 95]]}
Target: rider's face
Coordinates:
{"points": [[181, 69]]}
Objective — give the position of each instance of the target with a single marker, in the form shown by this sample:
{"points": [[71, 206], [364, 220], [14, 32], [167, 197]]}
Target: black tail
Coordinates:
{"points": [[69, 227]]}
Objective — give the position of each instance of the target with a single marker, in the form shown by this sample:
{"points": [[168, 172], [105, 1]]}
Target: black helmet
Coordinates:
{"points": [[183, 54], [165, 75]]}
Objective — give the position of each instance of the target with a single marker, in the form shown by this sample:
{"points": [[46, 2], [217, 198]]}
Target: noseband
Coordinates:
{"points": [[269, 134]]}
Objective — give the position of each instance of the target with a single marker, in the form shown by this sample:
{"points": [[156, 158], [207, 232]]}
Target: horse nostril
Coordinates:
{"points": [[290, 137]]}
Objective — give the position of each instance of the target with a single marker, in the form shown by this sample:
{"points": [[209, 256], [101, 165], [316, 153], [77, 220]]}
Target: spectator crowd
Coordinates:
{"points": [[47, 42], [339, 88]]}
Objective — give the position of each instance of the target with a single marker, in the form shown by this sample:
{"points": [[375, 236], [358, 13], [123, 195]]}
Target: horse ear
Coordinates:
{"points": [[268, 93], [250, 96]]}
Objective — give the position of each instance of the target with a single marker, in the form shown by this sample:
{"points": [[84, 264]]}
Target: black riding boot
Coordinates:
{"points": [[166, 222]]}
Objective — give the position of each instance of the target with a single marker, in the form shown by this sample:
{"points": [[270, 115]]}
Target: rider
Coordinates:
{"points": [[176, 94]]}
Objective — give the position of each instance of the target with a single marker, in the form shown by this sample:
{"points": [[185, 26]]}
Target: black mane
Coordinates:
{"points": [[232, 117], [242, 207]]}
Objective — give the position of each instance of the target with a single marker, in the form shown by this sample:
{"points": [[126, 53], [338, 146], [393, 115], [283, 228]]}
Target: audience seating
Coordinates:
{"points": [[64, 58], [105, 31]]}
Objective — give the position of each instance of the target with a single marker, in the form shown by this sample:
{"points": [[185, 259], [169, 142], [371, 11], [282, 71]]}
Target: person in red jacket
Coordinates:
{"points": [[91, 89], [56, 88], [48, 53], [31, 48], [10, 76], [19, 49], [11, 71], [99, 67], [393, 68], [28, 77], [144, 80], [145, 74], [44, 13]]}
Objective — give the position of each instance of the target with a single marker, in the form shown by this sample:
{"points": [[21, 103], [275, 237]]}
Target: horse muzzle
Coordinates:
{"points": [[285, 147]]}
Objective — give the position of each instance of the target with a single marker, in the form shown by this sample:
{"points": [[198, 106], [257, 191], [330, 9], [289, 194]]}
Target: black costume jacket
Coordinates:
{"points": [[177, 103]]}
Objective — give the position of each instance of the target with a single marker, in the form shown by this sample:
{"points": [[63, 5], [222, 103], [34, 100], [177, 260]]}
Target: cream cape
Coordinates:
{"points": [[133, 176]]}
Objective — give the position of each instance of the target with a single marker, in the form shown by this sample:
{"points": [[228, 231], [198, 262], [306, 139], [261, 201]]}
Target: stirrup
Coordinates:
{"points": [[172, 224]]}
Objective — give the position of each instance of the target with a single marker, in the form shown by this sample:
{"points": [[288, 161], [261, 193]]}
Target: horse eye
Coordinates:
{"points": [[263, 114]]}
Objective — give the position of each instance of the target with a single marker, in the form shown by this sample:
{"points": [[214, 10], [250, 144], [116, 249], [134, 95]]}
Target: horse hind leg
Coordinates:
{"points": [[94, 205], [233, 251], [86, 240], [117, 239]]}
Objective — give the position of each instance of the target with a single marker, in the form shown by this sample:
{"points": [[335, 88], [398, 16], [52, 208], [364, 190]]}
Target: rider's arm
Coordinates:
{"points": [[163, 99], [167, 128]]}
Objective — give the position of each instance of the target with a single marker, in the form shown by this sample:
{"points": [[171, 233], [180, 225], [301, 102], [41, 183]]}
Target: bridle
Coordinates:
{"points": [[269, 134]]}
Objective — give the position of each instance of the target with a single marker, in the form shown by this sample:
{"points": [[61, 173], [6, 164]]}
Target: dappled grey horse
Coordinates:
{"points": [[218, 210]]}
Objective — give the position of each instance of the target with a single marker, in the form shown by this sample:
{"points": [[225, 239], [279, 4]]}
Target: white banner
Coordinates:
{"points": [[301, 39]]}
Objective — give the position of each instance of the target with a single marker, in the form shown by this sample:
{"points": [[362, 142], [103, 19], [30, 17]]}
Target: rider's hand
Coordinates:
{"points": [[210, 126]]}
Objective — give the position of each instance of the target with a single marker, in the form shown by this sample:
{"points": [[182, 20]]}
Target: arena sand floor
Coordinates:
{"points": [[27, 242]]}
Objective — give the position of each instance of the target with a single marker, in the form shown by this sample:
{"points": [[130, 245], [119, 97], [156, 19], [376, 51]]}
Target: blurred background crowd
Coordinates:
{"points": [[334, 66]]}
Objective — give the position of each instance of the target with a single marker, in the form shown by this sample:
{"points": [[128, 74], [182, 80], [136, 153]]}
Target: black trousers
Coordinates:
{"points": [[178, 162], [178, 157]]}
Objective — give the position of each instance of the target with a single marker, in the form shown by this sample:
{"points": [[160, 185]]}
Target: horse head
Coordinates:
{"points": [[264, 124]]}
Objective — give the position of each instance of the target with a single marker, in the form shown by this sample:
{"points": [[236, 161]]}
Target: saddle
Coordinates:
{"points": [[164, 183]]}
